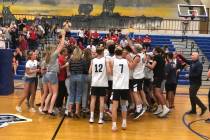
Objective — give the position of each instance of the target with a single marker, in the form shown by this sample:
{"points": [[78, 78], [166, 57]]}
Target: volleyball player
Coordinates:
{"points": [[120, 71], [99, 71], [138, 75]]}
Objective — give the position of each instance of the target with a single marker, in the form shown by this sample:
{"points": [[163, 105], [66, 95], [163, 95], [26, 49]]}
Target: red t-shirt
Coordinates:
{"points": [[147, 40], [95, 35], [72, 41], [23, 44], [62, 74], [114, 38], [33, 35]]}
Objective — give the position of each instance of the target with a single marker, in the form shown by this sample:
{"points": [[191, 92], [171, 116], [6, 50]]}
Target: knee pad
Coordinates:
{"points": [[123, 104]]}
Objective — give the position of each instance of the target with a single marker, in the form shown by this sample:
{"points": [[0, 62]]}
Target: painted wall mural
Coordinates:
{"points": [[159, 8]]}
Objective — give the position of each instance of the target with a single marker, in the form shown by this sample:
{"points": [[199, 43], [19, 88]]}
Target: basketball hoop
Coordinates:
{"points": [[192, 11]]}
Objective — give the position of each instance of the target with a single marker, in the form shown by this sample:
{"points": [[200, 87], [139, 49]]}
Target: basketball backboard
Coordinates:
{"points": [[197, 11]]}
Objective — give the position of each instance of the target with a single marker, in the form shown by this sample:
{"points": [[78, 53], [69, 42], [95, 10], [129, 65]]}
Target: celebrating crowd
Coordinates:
{"points": [[98, 74]]}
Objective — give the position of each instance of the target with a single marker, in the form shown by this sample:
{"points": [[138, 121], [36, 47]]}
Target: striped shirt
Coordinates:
{"points": [[76, 67]]}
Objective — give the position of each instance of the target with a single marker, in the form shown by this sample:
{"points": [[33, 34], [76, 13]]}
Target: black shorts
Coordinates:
{"points": [[131, 84], [157, 82], [138, 83], [98, 91], [147, 84], [110, 85], [120, 94], [170, 87]]}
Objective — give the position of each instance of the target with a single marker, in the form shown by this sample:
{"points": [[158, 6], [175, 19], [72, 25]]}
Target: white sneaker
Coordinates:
{"points": [[66, 112], [145, 108], [18, 109], [124, 126], [114, 128], [164, 113], [91, 120], [158, 111], [32, 110], [100, 121]]}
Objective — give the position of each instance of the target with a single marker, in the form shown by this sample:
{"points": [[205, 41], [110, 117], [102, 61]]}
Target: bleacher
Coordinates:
{"points": [[157, 40]]}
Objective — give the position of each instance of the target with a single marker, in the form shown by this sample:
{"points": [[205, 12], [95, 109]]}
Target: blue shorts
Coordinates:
{"points": [[50, 77], [29, 80]]}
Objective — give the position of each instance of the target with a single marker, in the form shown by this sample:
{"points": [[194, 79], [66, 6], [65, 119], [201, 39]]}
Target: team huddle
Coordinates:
{"points": [[124, 73], [129, 77]]}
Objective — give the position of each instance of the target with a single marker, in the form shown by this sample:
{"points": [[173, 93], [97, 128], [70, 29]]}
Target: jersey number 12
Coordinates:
{"points": [[98, 68]]}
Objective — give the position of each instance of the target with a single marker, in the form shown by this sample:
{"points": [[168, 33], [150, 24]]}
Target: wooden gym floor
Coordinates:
{"points": [[148, 127]]}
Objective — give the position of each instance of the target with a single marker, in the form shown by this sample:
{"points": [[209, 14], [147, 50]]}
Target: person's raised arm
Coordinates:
{"points": [[62, 41]]}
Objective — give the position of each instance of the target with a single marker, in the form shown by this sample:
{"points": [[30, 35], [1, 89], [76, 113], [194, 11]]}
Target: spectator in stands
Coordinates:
{"points": [[32, 38], [123, 42], [21, 24], [95, 37], [47, 29], [92, 47], [2, 40], [138, 40], [67, 27], [86, 37], [114, 37], [81, 35], [18, 54], [23, 43], [15, 65], [14, 35], [195, 79], [81, 46], [29, 84], [147, 42]]}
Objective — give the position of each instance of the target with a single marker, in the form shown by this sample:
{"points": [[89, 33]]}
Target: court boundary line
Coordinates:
{"points": [[188, 125], [58, 128]]}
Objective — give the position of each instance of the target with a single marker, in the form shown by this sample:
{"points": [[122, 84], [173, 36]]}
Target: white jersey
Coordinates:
{"points": [[109, 59], [138, 72], [120, 74], [32, 65], [99, 73]]}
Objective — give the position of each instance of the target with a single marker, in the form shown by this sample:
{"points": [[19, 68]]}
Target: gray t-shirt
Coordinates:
{"points": [[53, 64]]}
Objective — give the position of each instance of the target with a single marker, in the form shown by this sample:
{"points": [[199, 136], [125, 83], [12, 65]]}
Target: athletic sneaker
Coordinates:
{"points": [[66, 112], [207, 120], [124, 126], [158, 111], [138, 114], [164, 113], [114, 128], [145, 108], [100, 121], [18, 109], [32, 110], [91, 120]]}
